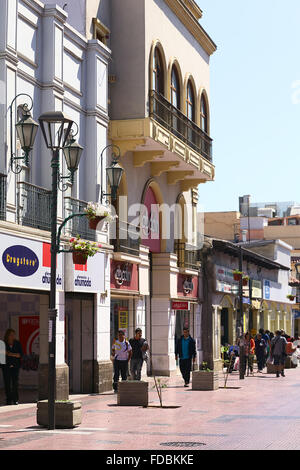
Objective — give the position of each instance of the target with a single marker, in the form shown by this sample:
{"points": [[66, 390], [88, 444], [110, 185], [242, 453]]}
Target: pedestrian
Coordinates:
{"points": [[260, 351], [266, 337], [139, 354], [11, 369], [186, 351], [278, 352], [121, 353], [249, 353]]}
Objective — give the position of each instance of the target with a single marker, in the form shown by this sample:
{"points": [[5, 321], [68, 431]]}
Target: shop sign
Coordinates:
{"points": [[88, 278], [267, 290], [187, 286], [296, 314], [224, 279], [256, 289], [180, 305], [26, 263], [124, 276], [124, 320]]}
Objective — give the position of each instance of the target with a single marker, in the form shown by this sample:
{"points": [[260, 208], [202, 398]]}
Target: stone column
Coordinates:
{"points": [[62, 369]]}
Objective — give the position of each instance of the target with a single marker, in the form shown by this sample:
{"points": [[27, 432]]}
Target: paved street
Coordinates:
{"points": [[262, 414]]}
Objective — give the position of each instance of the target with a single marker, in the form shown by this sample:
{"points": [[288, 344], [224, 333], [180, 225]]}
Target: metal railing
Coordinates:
{"points": [[180, 125], [188, 255], [34, 206], [127, 238], [3, 193], [78, 225]]}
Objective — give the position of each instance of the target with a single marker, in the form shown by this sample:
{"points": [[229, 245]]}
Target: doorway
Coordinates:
{"points": [[80, 340], [224, 327]]}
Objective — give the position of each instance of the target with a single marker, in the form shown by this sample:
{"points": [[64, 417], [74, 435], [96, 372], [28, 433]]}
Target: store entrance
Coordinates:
{"points": [[224, 327], [183, 320], [79, 347]]}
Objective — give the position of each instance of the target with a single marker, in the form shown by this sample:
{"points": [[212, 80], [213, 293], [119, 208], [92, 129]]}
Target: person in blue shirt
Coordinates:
{"points": [[186, 351]]}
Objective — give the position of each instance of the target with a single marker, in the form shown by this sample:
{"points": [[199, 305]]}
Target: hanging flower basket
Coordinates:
{"points": [[291, 297], [237, 275], [245, 280], [80, 257], [82, 250], [96, 213], [94, 222]]}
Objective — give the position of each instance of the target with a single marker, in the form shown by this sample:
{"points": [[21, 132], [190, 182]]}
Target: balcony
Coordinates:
{"points": [[78, 225], [34, 206], [127, 239], [176, 122], [188, 255], [3, 192]]}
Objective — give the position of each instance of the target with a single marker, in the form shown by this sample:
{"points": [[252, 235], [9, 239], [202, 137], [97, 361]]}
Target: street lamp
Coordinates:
{"points": [[26, 129], [114, 172], [57, 131]]}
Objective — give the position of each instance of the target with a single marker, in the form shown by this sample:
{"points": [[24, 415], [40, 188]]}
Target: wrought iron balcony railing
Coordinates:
{"points": [[34, 206], [127, 238], [180, 125], [188, 255], [3, 192], [78, 225]]}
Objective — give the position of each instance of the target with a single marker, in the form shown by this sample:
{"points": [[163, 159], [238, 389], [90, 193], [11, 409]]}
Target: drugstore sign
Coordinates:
{"points": [[26, 263]]}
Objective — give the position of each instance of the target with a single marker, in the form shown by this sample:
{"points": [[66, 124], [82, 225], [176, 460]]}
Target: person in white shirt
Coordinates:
{"points": [[121, 352]]}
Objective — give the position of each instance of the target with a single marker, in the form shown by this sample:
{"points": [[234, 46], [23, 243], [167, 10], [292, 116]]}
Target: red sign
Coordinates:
{"points": [[187, 286], [29, 331], [180, 305], [124, 276]]}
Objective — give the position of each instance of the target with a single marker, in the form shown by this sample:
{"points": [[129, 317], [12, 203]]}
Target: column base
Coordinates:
{"points": [[97, 376], [62, 382]]}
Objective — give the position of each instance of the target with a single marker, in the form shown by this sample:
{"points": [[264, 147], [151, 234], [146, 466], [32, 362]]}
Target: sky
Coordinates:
{"points": [[254, 100]]}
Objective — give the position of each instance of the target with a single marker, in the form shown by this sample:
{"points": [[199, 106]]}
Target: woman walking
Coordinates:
{"points": [[249, 353], [11, 369]]}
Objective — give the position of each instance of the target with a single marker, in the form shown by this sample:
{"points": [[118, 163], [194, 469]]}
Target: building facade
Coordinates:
{"points": [[132, 74]]}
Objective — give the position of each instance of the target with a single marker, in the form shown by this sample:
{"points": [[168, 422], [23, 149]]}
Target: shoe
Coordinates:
{"points": [[186, 385], [282, 374], [277, 375], [15, 402], [115, 391]]}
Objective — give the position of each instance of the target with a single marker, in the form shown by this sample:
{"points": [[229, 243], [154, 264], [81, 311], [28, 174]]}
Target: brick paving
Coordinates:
{"points": [[261, 412]]}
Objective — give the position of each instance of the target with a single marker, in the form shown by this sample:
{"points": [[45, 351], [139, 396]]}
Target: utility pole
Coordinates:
{"points": [[240, 322]]}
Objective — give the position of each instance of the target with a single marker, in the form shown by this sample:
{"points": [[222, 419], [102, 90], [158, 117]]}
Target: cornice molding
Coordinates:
{"points": [[184, 13]]}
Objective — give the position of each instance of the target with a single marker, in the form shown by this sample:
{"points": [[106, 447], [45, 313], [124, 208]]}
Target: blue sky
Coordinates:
{"points": [[255, 111]]}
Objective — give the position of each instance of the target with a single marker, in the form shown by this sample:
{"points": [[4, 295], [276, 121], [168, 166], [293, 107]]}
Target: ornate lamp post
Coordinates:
{"points": [[26, 129], [57, 131], [114, 172]]}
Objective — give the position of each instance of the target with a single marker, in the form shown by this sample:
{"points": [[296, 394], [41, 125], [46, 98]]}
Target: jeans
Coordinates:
{"points": [[185, 369], [11, 383], [120, 367], [260, 361], [249, 363], [136, 368]]}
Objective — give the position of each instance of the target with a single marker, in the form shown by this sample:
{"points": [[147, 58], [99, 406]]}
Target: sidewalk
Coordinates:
{"points": [[261, 412]]}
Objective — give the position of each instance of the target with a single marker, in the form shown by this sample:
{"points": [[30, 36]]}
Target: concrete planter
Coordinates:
{"points": [[133, 393], [67, 414], [205, 380]]}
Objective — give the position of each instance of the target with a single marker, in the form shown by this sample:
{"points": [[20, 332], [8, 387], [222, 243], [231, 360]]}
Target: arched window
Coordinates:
{"points": [[203, 114], [158, 72], [175, 88], [190, 101]]}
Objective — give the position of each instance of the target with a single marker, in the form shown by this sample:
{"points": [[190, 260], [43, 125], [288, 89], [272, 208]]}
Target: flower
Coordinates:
{"points": [[89, 248]]}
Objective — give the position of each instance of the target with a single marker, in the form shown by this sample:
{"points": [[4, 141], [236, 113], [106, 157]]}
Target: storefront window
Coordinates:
{"points": [[119, 317]]}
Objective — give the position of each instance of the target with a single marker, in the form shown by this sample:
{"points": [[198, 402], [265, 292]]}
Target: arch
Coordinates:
{"points": [[152, 184], [227, 302], [173, 63], [156, 45], [189, 79], [203, 98]]}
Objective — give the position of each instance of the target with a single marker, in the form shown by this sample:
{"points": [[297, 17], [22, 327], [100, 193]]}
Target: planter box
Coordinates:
{"points": [[67, 414], [289, 364], [205, 380], [133, 393]]}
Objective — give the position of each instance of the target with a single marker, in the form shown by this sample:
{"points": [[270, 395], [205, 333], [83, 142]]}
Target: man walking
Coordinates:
{"points": [[121, 352], [139, 347], [186, 351], [278, 352]]}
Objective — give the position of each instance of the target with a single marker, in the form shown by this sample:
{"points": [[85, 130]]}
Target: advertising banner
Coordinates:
{"points": [[89, 278], [124, 320], [26, 263], [29, 330]]}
